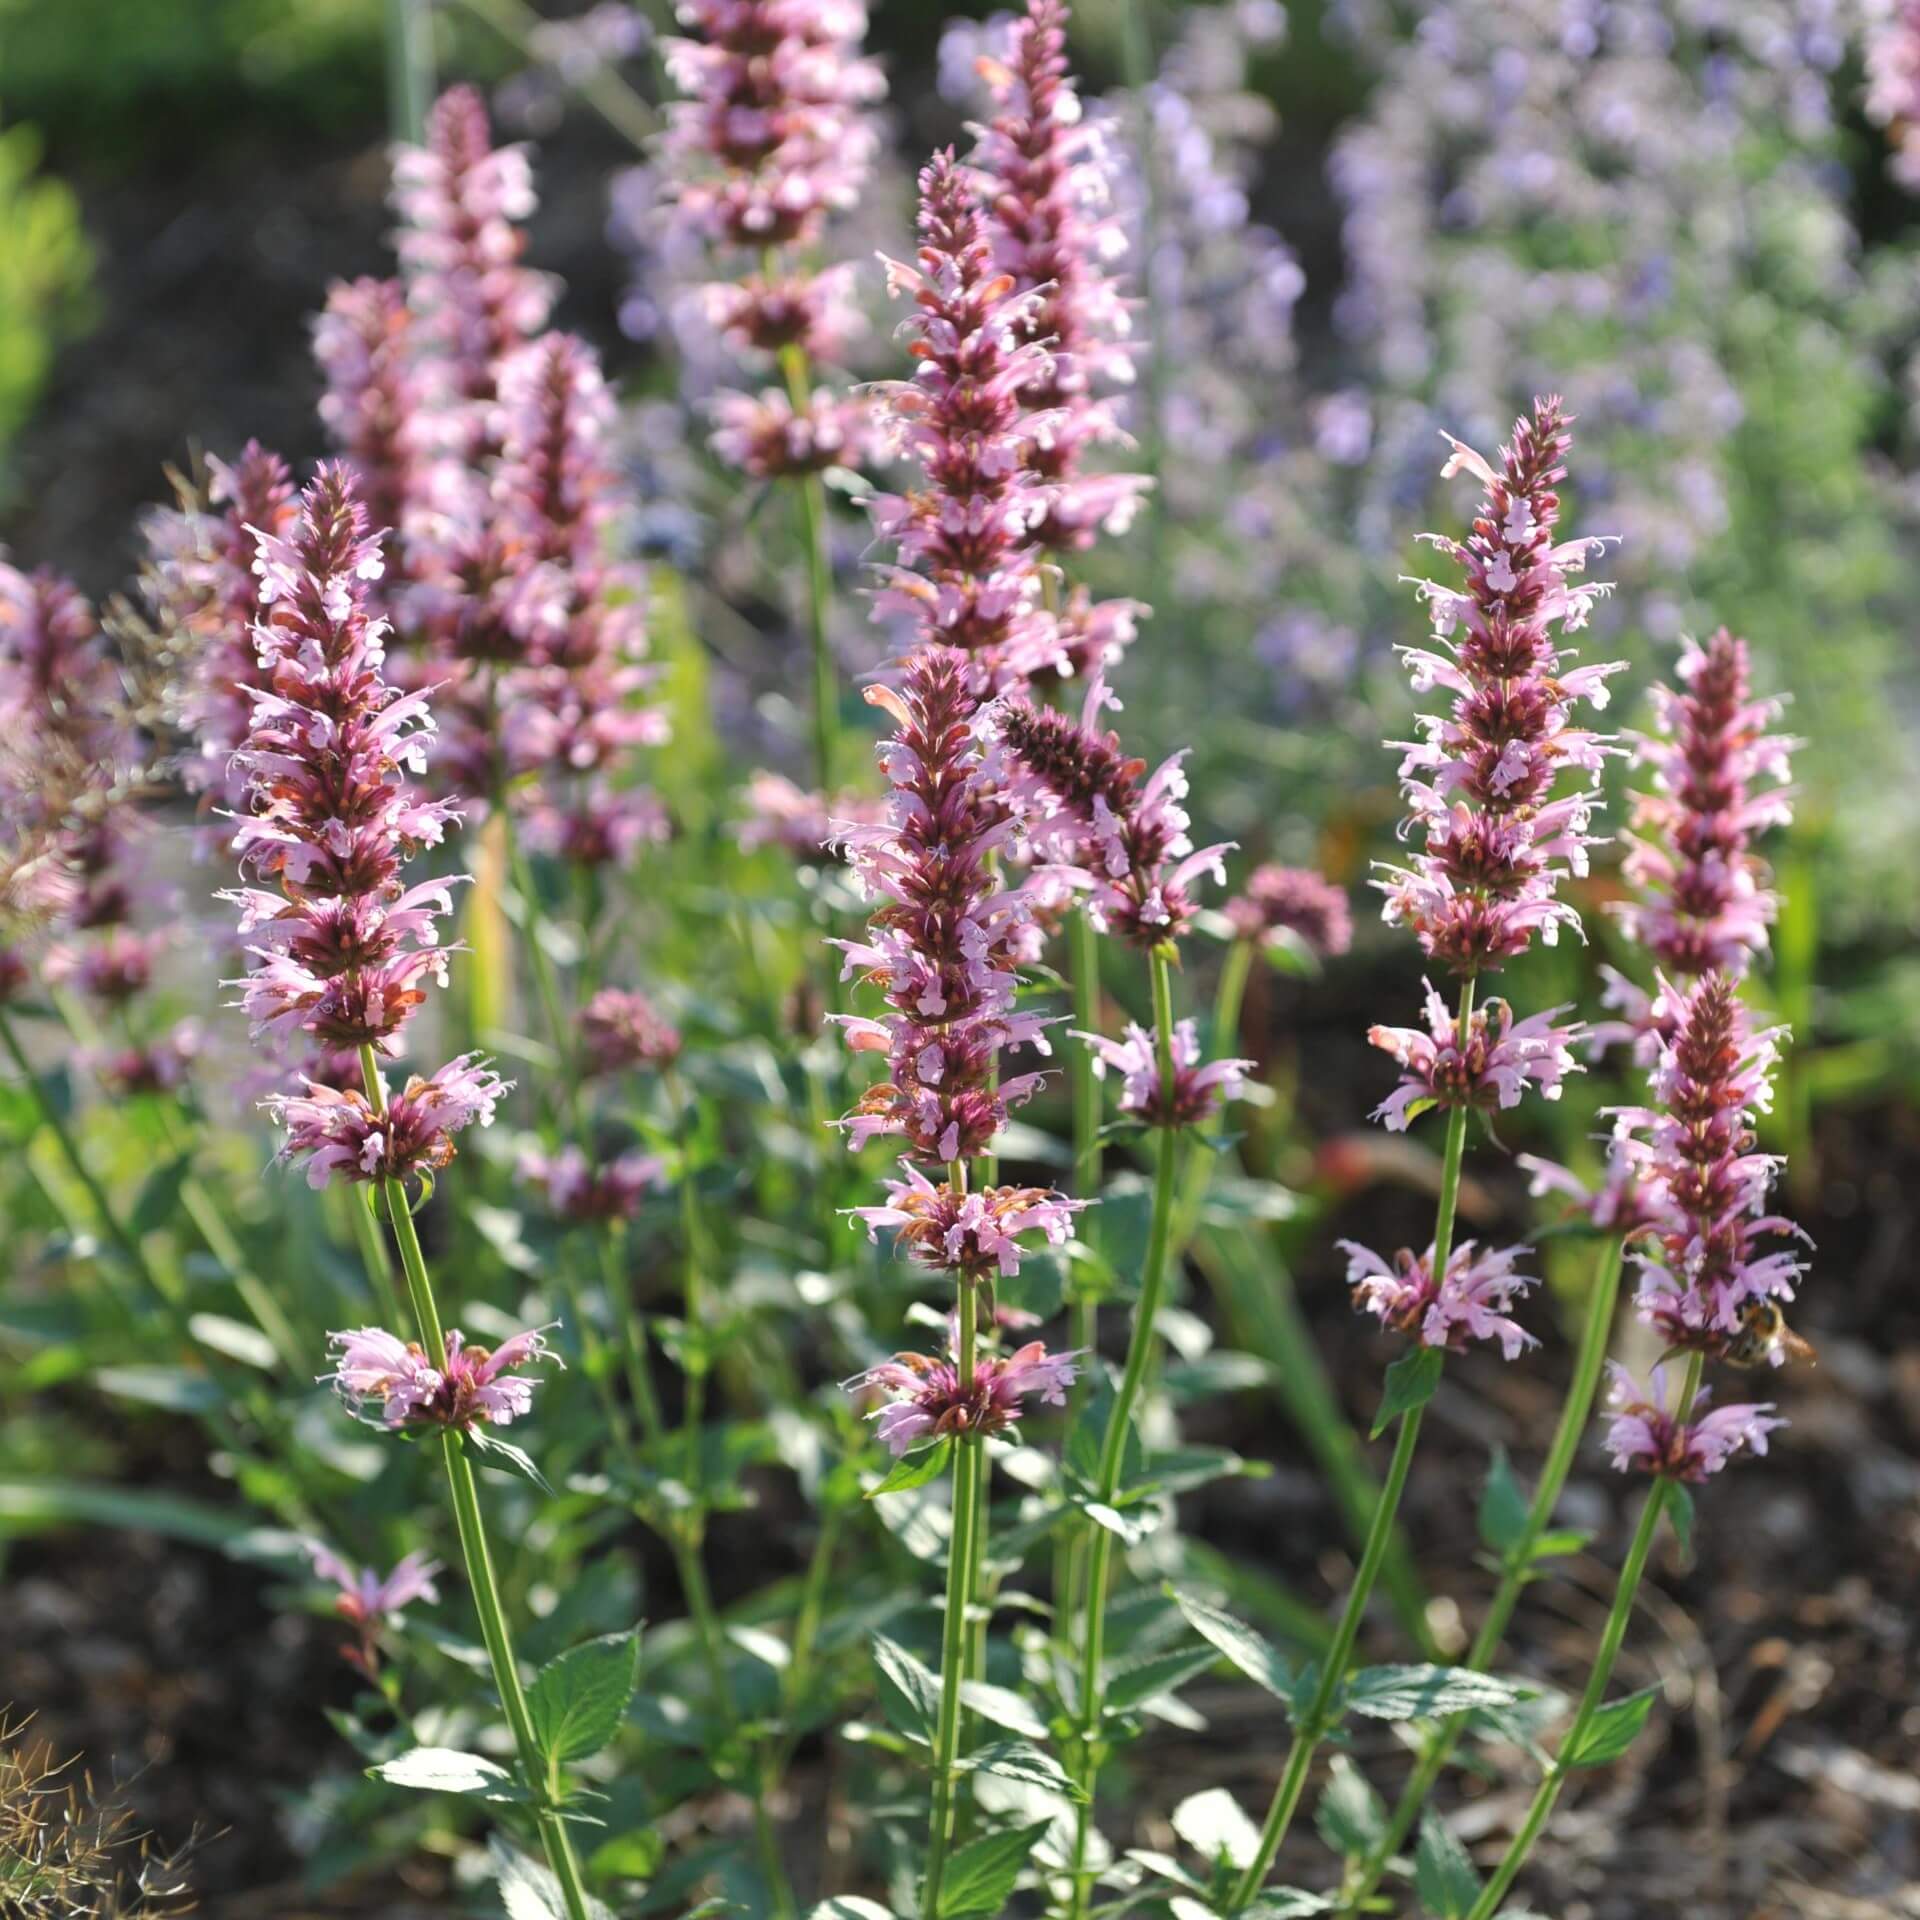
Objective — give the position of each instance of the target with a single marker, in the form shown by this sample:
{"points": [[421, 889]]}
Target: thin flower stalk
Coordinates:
{"points": [[1612, 1637]]}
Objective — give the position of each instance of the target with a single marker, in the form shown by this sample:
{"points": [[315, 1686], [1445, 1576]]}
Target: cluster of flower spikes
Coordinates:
{"points": [[1100, 824], [944, 942], [70, 763], [967, 562], [484, 442], [1704, 904], [1480, 787], [773, 136], [1046, 174], [341, 948]]}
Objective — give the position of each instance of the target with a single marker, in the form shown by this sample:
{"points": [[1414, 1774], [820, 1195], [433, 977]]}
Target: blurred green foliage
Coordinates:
{"points": [[45, 268]]}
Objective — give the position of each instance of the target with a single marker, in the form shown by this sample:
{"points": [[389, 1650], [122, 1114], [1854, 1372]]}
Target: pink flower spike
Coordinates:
{"points": [[1295, 904], [474, 1386], [1645, 1436], [364, 1597], [1198, 1091], [929, 1401]]}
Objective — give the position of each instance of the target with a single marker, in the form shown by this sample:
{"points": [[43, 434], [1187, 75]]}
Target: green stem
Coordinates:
{"points": [[967, 1460], [1437, 1747], [1114, 1441], [1314, 1724], [1612, 1636], [409, 68], [624, 110], [474, 1548]]}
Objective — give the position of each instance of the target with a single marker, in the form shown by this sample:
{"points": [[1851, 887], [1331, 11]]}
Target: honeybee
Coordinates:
{"points": [[1763, 1335]]}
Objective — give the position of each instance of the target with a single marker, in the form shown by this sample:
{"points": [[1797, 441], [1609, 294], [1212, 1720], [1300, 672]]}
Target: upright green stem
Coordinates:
{"points": [[1113, 1446], [1438, 1745], [1316, 1721], [409, 67], [1612, 1636], [968, 1459], [474, 1549]]}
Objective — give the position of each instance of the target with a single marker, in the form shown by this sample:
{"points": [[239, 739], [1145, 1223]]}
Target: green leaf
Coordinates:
{"points": [[1558, 1542], [1215, 1825], [159, 1198], [909, 1690], [579, 1699], [1255, 1656], [1503, 1507], [914, 1470], [1164, 1867], [504, 1457], [447, 1770], [850, 1906], [1143, 1680], [1131, 1528], [981, 1875], [234, 1340], [1421, 1692], [1351, 1817], [1287, 1903], [528, 1889], [1411, 1382], [1017, 1760], [1088, 1434], [1611, 1731], [1680, 1515], [1002, 1707], [1443, 1876], [176, 1389]]}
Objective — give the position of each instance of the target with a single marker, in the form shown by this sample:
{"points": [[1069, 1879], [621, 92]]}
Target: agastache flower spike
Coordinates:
{"points": [[1469, 1302], [1282, 903], [368, 1602], [1704, 1184], [1197, 1091], [1481, 786], [1091, 816], [342, 947], [965, 541], [1718, 781], [1487, 1068], [381, 1376], [942, 947], [1046, 174]]}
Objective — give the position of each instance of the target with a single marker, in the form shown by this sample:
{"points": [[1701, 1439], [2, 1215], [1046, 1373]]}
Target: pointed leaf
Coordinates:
{"points": [[1351, 1817], [1680, 1517], [1255, 1656], [849, 1906], [1443, 1875], [981, 1875], [1287, 1903], [909, 1690], [1421, 1692], [1017, 1760], [505, 1457], [1143, 1680], [1611, 1731], [1217, 1827], [447, 1770], [1503, 1507], [914, 1470], [1411, 1382], [1002, 1707], [579, 1699]]}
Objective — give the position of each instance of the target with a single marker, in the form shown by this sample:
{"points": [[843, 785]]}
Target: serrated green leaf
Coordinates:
{"points": [[1142, 1680], [504, 1457], [1249, 1651], [981, 1875], [1423, 1692], [1443, 1875], [1017, 1760], [909, 1690], [1351, 1817], [914, 1470], [1611, 1731], [1411, 1382], [447, 1770], [579, 1699], [1002, 1707], [528, 1889], [1503, 1507], [1215, 1825]]}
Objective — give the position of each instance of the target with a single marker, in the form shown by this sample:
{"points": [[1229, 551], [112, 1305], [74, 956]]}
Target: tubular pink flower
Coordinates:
{"points": [[374, 401], [579, 1190], [1470, 1302], [1893, 83], [1644, 1437], [1620, 1204], [158, 1065], [369, 1600], [1480, 786], [472, 1387], [1294, 904], [1488, 1069], [930, 1402], [1046, 176], [781, 814], [1704, 903], [762, 435], [1088, 814], [976, 1233], [1198, 1091], [1702, 1266], [334, 1131], [621, 1030]]}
